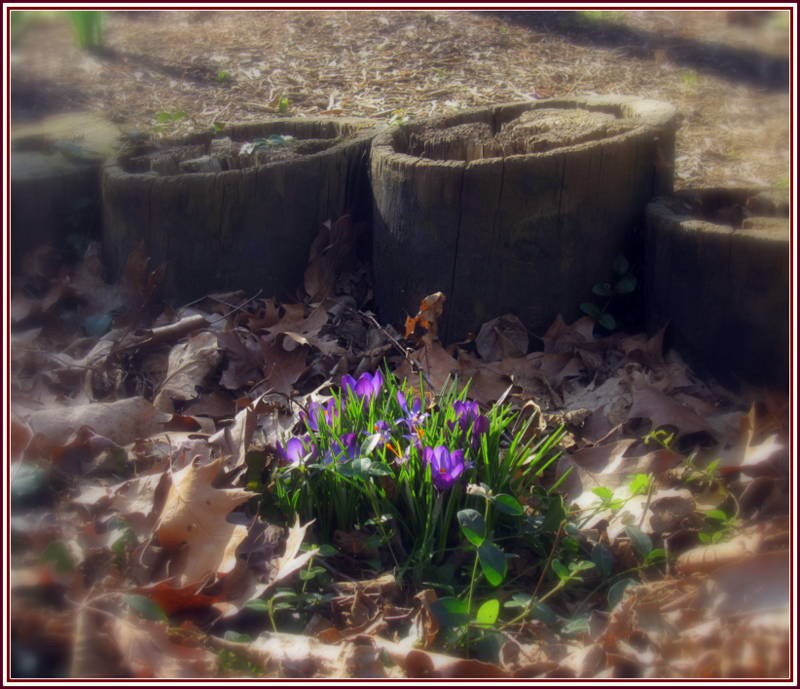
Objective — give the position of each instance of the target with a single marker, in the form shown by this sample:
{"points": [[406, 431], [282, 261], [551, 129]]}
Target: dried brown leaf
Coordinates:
{"points": [[234, 440], [650, 403], [502, 337], [190, 363], [148, 650], [20, 435], [123, 421], [195, 515]]}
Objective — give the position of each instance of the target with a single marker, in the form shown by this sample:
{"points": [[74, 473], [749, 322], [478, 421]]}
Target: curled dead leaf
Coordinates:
{"points": [[502, 337]]}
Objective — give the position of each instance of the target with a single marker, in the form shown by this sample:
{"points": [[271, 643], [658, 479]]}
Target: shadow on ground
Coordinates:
{"points": [[748, 66]]}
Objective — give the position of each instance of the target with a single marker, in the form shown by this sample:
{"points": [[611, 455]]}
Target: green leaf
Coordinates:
{"points": [[487, 613], [561, 571], [255, 461], [617, 590], [591, 310], [237, 637], [493, 563], [602, 289], [472, 526], [655, 555], [626, 284], [145, 607], [370, 443], [309, 574], [576, 568], [717, 515], [621, 265], [257, 604], [603, 558], [543, 612], [58, 555], [607, 321], [579, 625], [362, 467], [605, 494], [640, 484], [640, 540], [507, 504], [555, 514], [519, 600], [450, 612]]}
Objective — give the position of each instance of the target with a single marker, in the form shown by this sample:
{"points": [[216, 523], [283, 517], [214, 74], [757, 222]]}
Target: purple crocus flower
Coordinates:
{"points": [[297, 450], [445, 466], [317, 412], [366, 387], [383, 432], [345, 448], [413, 417], [468, 415]]}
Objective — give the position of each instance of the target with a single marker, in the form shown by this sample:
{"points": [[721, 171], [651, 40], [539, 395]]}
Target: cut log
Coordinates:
{"points": [[55, 190], [718, 265], [518, 208], [248, 226]]}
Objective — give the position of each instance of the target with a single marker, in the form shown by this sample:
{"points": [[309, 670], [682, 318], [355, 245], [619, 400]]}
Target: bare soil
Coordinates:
{"points": [[170, 73]]}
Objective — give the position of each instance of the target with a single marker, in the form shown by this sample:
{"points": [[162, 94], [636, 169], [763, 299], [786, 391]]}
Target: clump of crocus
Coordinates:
{"points": [[377, 457], [445, 466], [367, 387]]}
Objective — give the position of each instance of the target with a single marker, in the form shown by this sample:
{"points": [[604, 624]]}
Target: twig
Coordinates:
{"points": [[405, 351], [236, 308], [647, 502], [549, 559]]}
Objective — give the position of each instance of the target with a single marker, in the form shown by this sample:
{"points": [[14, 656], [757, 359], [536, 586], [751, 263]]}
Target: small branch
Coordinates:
{"points": [[549, 559]]}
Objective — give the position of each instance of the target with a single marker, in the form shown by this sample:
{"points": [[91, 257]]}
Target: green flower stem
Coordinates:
{"points": [[475, 564]]}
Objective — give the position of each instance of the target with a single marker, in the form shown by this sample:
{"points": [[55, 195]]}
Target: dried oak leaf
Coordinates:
{"points": [[194, 514], [502, 337], [427, 318], [190, 363], [122, 421], [435, 363], [650, 403], [281, 368], [148, 650], [561, 337], [235, 439]]}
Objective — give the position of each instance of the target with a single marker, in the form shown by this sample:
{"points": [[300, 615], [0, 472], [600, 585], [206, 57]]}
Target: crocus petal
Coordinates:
{"points": [[295, 451], [348, 382], [364, 388], [481, 425], [377, 383]]}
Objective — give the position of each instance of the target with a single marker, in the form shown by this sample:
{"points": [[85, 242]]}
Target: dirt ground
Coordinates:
{"points": [[168, 72]]}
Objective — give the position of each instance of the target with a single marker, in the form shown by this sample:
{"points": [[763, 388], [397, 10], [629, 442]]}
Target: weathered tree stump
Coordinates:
{"points": [[517, 208], [55, 181], [239, 209], [718, 267]]}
